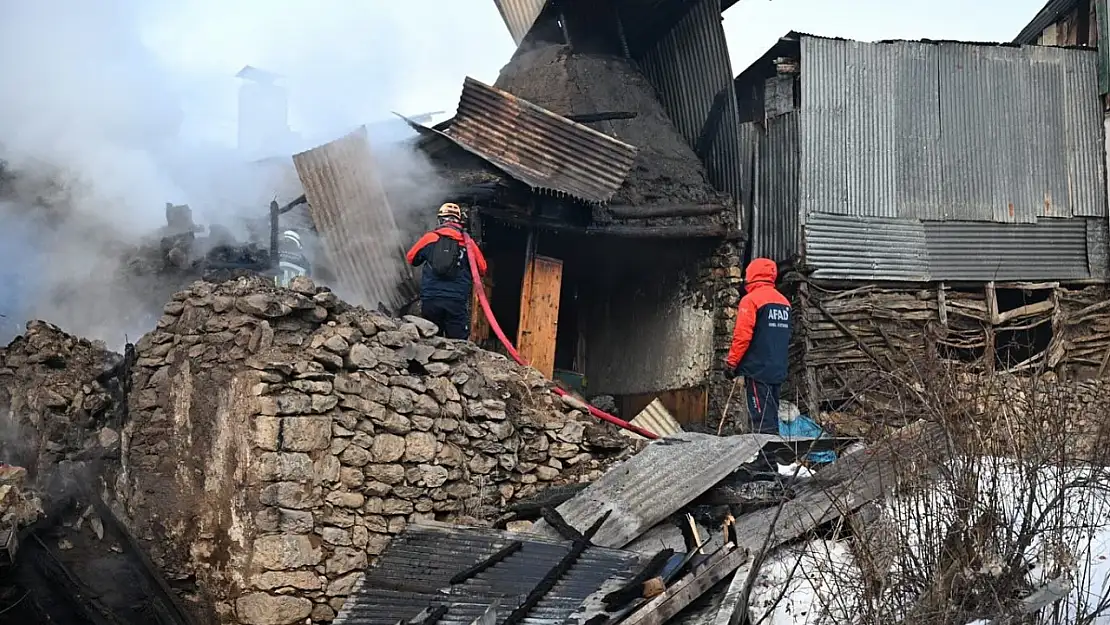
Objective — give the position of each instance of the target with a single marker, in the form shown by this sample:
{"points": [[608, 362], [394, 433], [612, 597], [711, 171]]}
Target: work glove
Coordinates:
{"points": [[730, 374]]}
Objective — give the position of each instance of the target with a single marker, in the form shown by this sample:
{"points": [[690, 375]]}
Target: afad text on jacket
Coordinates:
{"points": [[761, 338], [433, 286]]}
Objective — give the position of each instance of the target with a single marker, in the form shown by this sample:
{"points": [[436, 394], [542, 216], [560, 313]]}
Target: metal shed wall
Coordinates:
{"points": [[950, 131], [776, 220], [1051, 249], [949, 161], [849, 247], [691, 72]]}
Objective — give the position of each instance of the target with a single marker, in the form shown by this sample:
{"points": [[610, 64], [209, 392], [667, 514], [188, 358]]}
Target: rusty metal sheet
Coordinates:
{"points": [[519, 15], [650, 486], [415, 571], [543, 150], [353, 217]]}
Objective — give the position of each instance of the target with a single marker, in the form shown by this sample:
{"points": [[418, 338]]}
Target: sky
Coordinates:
{"points": [[411, 57]]}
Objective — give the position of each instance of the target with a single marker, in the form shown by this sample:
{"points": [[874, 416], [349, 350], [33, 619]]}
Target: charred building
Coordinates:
{"points": [[604, 174]]}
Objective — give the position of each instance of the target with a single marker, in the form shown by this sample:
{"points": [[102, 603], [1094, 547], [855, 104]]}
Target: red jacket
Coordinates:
{"points": [[436, 287], [761, 338]]}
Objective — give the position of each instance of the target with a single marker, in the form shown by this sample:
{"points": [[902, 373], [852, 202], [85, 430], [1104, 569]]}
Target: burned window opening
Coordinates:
{"points": [[1018, 342]]}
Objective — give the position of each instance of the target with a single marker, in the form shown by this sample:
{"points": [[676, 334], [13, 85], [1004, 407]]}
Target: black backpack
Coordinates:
{"points": [[446, 258]]}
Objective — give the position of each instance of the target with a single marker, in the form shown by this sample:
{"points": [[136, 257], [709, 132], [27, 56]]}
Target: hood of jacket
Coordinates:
{"points": [[761, 272]]}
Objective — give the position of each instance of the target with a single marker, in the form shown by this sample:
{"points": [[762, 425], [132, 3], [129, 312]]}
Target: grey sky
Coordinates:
{"points": [[412, 57]]}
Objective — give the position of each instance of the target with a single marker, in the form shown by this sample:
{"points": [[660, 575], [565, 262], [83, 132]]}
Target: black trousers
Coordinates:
{"points": [[451, 315]]}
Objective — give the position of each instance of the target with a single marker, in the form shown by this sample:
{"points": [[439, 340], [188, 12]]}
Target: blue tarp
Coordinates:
{"points": [[804, 427]]}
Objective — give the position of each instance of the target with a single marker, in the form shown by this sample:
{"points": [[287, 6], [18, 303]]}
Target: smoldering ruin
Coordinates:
{"points": [[278, 437]]}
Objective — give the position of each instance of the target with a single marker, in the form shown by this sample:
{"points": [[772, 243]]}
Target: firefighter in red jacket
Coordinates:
{"points": [[761, 344], [445, 282]]}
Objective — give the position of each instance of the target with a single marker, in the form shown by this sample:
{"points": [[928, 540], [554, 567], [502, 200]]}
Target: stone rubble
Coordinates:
{"points": [[278, 439], [59, 399]]}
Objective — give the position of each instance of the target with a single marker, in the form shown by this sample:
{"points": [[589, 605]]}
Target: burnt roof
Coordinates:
{"points": [[666, 169]]}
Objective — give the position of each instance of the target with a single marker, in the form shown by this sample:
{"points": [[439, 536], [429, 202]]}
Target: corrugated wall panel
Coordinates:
{"points": [[917, 150], [351, 213], [1082, 113], [1051, 249], [750, 135], [848, 247], [519, 15], [950, 131], [1048, 172], [986, 113], [777, 221], [691, 72], [1098, 248], [847, 129]]}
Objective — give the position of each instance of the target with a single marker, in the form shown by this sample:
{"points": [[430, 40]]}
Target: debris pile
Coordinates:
{"points": [[19, 507], [279, 437], [62, 399], [672, 534]]}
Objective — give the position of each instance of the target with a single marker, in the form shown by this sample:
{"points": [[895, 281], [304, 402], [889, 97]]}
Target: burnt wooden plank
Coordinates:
{"points": [[867, 474]]}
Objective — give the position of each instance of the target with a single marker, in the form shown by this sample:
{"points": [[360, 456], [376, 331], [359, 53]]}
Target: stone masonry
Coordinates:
{"points": [[278, 438]]}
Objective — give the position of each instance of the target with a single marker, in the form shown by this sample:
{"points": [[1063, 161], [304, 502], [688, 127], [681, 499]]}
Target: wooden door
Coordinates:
{"points": [[539, 313], [479, 325]]}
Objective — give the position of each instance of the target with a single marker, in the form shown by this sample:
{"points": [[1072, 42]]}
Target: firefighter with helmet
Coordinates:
{"points": [[445, 282]]}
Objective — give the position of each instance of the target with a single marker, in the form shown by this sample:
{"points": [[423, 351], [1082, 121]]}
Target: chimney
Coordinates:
{"points": [[263, 112]]}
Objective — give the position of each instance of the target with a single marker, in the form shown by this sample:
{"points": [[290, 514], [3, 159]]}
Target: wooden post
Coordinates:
{"points": [[942, 305], [539, 313], [479, 325]]}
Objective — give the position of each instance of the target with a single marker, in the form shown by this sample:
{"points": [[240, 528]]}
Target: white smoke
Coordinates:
{"points": [[110, 109]]}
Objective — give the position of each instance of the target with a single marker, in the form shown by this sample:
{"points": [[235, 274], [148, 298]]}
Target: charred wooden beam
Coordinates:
{"points": [[665, 210], [501, 554], [664, 232], [590, 118], [556, 520], [555, 574], [634, 589]]}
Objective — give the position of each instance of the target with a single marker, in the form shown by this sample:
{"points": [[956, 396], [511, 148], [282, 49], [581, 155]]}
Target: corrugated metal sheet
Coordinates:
{"points": [[351, 213], [415, 571], [844, 247], [519, 15], [777, 222], [537, 147], [1098, 249], [847, 134], [650, 486], [655, 419], [750, 138], [949, 131], [1051, 249], [1052, 11], [987, 142], [1085, 132], [690, 70]]}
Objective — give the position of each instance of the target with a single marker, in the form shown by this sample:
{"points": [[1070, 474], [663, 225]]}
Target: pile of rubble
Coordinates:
{"points": [[63, 399]]}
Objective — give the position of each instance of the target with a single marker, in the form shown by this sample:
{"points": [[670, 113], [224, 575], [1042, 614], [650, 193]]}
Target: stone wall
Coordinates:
{"points": [[724, 276], [278, 438]]}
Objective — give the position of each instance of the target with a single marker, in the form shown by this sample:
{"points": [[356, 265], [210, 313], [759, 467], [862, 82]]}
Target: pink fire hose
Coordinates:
{"points": [[600, 414]]}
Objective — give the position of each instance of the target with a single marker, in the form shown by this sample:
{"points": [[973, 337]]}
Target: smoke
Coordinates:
{"points": [[110, 109]]}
